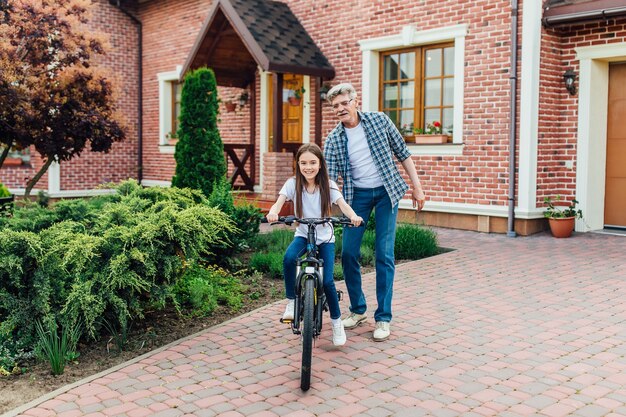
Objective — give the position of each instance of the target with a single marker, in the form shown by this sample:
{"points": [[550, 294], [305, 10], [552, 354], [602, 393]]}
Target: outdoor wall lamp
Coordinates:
{"points": [[323, 91], [569, 77]]}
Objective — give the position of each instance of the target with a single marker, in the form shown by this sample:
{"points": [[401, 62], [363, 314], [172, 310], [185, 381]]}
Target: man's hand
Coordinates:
{"points": [[419, 199]]}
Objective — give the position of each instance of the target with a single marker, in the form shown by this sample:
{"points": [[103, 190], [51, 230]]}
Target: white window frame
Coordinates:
{"points": [[165, 107], [409, 36]]}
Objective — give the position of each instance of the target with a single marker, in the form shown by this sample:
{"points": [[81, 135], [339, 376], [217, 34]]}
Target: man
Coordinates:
{"points": [[360, 149]]}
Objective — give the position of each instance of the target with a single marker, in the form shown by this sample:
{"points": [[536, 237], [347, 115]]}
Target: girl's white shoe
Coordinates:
{"points": [[288, 315]]}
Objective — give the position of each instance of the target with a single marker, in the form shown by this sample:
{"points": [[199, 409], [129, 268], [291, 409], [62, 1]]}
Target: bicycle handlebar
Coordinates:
{"points": [[289, 220]]}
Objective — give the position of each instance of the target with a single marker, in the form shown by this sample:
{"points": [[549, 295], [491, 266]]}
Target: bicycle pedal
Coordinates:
{"points": [[288, 321], [339, 295]]}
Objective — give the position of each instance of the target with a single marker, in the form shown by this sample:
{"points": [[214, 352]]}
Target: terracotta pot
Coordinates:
{"points": [[427, 139], [12, 162], [230, 106], [562, 227], [294, 101]]}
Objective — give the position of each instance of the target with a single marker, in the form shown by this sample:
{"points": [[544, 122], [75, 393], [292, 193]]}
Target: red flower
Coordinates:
{"points": [[436, 124]]}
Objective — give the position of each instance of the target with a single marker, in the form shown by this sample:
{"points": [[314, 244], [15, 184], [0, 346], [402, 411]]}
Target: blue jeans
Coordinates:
{"points": [[365, 200], [296, 249]]}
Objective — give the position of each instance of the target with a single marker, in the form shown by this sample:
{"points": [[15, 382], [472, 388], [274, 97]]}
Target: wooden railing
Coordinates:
{"points": [[239, 165]]}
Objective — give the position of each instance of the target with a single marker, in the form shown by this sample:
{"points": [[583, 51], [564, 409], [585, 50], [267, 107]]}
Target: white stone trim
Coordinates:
{"points": [[410, 36], [529, 106], [165, 104], [167, 149], [264, 132], [306, 109], [437, 150], [156, 183], [593, 91], [54, 178], [471, 209]]}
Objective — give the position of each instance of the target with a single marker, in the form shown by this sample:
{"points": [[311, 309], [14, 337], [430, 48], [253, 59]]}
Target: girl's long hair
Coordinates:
{"points": [[321, 180]]}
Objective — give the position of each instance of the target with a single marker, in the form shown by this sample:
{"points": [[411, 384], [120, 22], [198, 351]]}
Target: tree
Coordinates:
{"points": [[199, 153], [51, 96]]}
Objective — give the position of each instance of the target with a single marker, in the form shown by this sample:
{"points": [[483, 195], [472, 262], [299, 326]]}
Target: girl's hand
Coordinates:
{"points": [[271, 217], [356, 220]]}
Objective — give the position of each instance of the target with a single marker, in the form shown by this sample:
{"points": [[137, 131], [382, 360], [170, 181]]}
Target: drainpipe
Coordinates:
{"points": [[116, 3], [512, 125]]}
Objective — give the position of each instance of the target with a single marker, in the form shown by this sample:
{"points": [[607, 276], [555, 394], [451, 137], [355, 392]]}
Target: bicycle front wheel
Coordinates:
{"points": [[308, 325]]}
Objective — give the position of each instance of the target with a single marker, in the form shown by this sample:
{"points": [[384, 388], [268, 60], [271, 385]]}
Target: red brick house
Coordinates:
{"points": [[491, 71]]}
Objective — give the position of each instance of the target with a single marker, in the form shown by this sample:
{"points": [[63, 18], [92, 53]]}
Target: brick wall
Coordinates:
{"points": [[475, 177], [278, 167], [558, 109], [170, 29], [121, 60]]}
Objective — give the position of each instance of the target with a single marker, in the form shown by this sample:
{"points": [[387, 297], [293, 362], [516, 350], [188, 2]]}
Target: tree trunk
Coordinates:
{"points": [[5, 152], [31, 183]]}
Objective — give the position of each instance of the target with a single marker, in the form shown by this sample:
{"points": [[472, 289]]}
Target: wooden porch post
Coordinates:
{"points": [[253, 129], [277, 123], [318, 111]]}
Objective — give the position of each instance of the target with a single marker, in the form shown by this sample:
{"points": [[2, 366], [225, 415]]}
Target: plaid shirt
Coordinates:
{"points": [[383, 139]]}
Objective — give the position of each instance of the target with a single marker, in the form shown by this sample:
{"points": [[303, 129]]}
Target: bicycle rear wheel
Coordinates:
{"points": [[308, 326]]}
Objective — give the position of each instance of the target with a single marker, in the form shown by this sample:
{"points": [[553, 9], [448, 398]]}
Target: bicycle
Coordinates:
{"points": [[310, 302]]}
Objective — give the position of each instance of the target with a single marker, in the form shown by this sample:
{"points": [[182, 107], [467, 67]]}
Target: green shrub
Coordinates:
{"points": [[367, 256], [199, 153], [108, 257], [269, 263], [277, 240], [4, 191], [338, 272], [202, 289], [415, 242], [246, 218]]}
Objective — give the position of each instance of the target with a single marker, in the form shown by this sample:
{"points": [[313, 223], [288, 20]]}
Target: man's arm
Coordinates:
{"points": [[417, 194]]}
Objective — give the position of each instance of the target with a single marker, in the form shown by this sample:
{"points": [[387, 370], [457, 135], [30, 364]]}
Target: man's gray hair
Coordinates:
{"points": [[340, 89]]}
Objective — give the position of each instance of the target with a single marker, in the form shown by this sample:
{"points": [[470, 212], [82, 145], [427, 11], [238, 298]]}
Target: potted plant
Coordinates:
{"points": [[231, 106], [295, 96], [432, 134], [16, 157], [561, 219], [406, 130]]}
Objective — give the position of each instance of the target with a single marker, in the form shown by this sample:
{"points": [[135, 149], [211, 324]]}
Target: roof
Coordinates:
{"points": [[239, 35], [558, 12]]}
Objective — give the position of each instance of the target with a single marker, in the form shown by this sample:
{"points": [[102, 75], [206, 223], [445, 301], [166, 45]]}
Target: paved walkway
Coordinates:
{"points": [[508, 327]]}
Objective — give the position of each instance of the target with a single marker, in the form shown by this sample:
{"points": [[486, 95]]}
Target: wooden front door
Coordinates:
{"points": [[615, 194], [292, 113]]}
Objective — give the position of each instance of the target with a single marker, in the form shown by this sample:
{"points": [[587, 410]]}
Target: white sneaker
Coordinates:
{"points": [[354, 320], [288, 315], [382, 331], [339, 334]]}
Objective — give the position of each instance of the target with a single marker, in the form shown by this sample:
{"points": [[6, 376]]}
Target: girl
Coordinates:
{"points": [[313, 193]]}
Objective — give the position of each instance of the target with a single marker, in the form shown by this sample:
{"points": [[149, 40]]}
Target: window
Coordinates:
{"points": [[169, 108], [411, 40], [177, 89], [417, 86]]}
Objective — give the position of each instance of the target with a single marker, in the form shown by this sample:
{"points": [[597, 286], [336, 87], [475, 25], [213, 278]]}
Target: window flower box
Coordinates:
{"points": [[427, 139]]}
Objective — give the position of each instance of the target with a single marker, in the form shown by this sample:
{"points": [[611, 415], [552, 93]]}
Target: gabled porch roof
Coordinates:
{"points": [[239, 35]]}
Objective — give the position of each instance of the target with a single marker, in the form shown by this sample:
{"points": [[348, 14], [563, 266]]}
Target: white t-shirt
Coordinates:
{"points": [[312, 207], [364, 172]]}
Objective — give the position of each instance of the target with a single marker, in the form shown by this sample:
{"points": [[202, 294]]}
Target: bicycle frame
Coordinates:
{"points": [[310, 302]]}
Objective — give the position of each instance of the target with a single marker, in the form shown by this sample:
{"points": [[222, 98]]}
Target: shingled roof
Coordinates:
{"points": [[238, 35]]}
